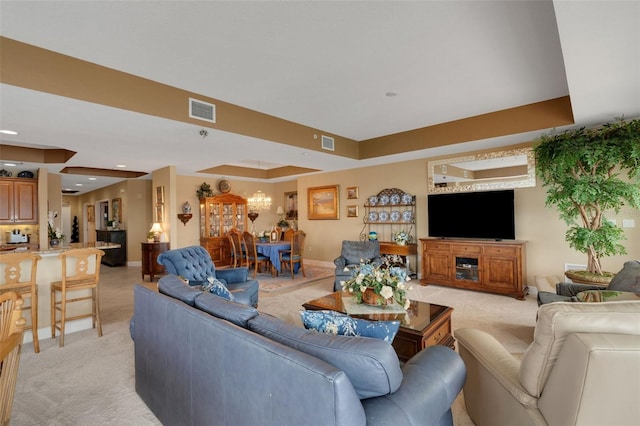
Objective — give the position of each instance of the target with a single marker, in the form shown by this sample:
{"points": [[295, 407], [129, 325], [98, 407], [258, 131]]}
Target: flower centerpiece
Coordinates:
{"points": [[402, 238], [379, 285], [263, 236], [55, 234]]}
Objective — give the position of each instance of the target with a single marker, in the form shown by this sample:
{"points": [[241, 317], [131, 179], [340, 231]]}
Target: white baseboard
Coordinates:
{"points": [[70, 327]]}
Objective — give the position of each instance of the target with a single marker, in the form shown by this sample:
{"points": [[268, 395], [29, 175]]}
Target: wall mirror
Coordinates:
{"points": [[480, 172]]}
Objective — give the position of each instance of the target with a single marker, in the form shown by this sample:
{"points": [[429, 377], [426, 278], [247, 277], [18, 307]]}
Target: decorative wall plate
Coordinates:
{"points": [[373, 216], [373, 200], [407, 215], [383, 216], [407, 198], [384, 200], [395, 199], [224, 186], [395, 216]]}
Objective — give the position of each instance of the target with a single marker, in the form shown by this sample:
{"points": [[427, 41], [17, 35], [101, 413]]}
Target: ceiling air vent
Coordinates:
{"points": [[202, 110], [327, 143]]}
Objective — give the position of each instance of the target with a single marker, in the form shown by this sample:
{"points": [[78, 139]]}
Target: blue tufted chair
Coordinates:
{"points": [[354, 252], [194, 264]]}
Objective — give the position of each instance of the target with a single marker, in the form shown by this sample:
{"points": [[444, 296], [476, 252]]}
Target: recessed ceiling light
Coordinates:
{"points": [[9, 132], [391, 94], [92, 179], [10, 164], [78, 184], [121, 166]]}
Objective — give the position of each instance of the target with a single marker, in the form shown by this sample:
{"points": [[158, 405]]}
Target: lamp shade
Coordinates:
{"points": [[279, 210], [156, 228]]}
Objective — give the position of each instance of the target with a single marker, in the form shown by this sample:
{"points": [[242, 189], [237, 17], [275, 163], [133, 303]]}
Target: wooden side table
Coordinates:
{"points": [[150, 253]]}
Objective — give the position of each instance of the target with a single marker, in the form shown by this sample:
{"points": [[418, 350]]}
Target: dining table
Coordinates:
{"points": [[272, 251]]}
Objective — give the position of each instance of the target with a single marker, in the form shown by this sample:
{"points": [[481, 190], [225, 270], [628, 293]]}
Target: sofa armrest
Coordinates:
{"points": [[340, 262], [233, 275], [572, 289], [432, 380]]}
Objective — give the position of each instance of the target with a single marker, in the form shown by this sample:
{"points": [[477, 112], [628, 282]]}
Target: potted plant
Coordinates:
{"points": [[588, 172], [204, 191], [379, 285]]}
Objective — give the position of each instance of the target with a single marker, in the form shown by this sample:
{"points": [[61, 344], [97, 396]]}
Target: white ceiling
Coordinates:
{"points": [[327, 65]]}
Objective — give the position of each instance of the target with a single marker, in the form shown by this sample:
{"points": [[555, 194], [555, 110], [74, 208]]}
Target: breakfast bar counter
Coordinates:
{"points": [[50, 270]]}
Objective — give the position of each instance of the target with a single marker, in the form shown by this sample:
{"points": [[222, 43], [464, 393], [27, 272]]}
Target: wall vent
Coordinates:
{"points": [[202, 110], [328, 143]]}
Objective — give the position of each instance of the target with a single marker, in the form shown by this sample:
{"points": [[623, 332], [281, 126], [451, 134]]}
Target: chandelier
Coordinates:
{"points": [[259, 201]]}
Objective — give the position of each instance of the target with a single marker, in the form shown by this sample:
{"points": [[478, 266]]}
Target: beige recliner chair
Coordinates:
{"points": [[583, 367]]}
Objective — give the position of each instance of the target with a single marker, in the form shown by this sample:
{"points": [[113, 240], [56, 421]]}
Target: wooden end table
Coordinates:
{"points": [[425, 325]]}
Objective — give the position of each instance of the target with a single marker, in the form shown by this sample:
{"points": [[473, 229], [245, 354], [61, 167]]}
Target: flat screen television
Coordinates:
{"points": [[483, 215]]}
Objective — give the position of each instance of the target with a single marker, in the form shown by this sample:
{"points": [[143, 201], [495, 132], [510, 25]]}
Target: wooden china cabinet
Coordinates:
{"points": [[218, 215]]}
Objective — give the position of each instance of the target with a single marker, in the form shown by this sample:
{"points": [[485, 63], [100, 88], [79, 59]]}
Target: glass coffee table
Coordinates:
{"points": [[424, 324]]}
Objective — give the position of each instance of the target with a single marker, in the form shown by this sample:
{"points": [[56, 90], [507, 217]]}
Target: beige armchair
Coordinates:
{"points": [[583, 367]]}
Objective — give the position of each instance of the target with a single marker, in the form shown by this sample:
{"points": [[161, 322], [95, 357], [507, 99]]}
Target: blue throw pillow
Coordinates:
{"points": [[338, 323], [216, 287]]}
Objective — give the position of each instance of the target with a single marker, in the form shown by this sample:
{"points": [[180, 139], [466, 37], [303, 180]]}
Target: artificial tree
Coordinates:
{"points": [[588, 172]]}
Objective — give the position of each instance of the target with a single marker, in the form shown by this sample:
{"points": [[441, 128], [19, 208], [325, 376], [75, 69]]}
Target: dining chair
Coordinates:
{"points": [[286, 235], [80, 271], [19, 275], [238, 250], [253, 257], [11, 333], [289, 258]]}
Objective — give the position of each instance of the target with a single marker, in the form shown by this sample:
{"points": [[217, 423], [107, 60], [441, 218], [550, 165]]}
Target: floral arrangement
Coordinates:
{"points": [[402, 237], [54, 232], [385, 280]]}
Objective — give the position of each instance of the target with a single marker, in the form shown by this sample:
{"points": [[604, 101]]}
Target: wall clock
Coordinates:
{"points": [[224, 186]]}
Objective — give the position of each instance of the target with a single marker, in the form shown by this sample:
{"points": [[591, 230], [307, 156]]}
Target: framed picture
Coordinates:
{"points": [[352, 211], [159, 213], [291, 205], [159, 194], [116, 209], [323, 202], [91, 213], [352, 192]]}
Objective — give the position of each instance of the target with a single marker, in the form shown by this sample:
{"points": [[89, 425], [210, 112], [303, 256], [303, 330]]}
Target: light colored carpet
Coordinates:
{"points": [[283, 282], [91, 380]]}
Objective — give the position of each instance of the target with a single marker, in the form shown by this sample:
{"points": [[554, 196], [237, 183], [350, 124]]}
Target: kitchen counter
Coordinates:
{"points": [[50, 270]]}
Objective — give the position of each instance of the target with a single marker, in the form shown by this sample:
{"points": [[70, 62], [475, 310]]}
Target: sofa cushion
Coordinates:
{"points": [[628, 279], [371, 364], [557, 320], [174, 287], [333, 322], [233, 312]]}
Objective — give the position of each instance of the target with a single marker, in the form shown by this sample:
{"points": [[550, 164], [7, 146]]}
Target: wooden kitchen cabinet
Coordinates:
{"points": [[483, 265], [18, 201], [150, 253]]}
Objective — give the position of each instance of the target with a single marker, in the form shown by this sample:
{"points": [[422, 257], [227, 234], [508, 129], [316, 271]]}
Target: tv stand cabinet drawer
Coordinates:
{"points": [[465, 250], [501, 251]]}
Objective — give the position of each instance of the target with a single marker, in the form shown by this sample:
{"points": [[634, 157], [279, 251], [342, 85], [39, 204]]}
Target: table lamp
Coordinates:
{"points": [[156, 229]]}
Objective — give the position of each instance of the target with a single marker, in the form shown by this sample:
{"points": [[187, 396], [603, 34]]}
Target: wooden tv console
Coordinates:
{"points": [[489, 266]]}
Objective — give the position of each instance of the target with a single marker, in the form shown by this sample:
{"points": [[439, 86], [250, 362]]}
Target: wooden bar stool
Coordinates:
{"points": [[11, 332], [15, 278], [80, 271]]}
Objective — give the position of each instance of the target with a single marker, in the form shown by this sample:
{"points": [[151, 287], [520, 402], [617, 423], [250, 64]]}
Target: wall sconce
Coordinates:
{"points": [[156, 229]]}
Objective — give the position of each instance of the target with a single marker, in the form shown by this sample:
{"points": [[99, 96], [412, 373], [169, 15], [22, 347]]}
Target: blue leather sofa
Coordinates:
{"points": [[203, 360], [194, 264]]}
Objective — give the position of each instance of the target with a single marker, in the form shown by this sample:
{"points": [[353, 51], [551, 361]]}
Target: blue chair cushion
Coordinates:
{"points": [[338, 323], [371, 364]]}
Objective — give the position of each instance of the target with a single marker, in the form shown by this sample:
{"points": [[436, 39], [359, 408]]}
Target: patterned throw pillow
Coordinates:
{"points": [[216, 287], [332, 322]]}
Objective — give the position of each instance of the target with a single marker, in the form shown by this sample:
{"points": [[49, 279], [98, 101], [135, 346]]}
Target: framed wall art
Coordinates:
{"points": [[352, 211], [352, 192], [116, 209], [159, 213], [291, 205], [159, 194], [323, 202]]}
